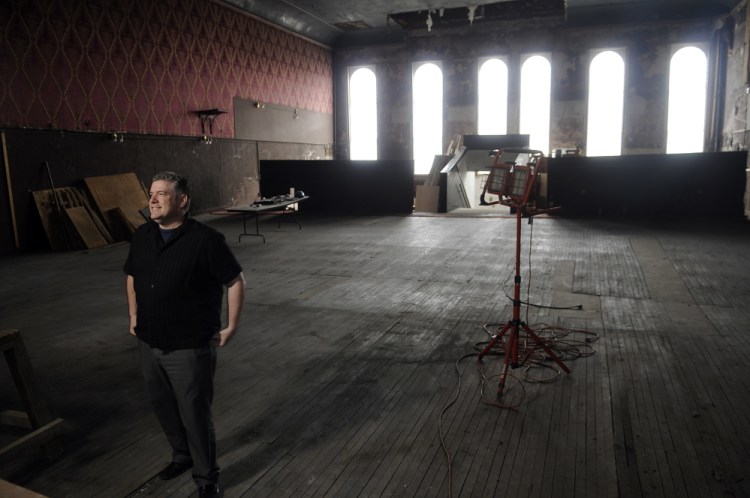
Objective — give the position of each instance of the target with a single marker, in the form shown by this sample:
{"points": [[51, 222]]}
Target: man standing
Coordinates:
{"points": [[176, 271]]}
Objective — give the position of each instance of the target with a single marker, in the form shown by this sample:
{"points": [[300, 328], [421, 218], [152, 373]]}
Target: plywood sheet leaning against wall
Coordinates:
{"points": [[85, 227], [428, 194], [80, 226], [120, 199]]}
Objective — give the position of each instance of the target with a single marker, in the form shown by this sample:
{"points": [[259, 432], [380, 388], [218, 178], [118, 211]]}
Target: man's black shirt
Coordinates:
{"points": [[179, 284]]}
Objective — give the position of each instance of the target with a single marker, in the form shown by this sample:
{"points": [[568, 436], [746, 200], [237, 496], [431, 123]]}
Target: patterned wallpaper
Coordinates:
{"points": [[144, 66]]}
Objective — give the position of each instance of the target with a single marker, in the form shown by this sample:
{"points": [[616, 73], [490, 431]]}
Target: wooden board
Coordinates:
{"points": [[51, 220], [11, 490], [85, 227], [438, 163], [131, 219], [55, 228], [123, 191], [73, 196], [427, 198]]}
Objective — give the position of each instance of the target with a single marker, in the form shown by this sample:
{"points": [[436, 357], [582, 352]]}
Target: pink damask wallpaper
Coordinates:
{"points": [[145, 66]]}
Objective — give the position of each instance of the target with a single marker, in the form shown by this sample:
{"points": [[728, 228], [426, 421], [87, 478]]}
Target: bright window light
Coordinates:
{"points": [[536, 74], [686, 113], [606, 92], [492, 105], [363, 117], [427, 95]]}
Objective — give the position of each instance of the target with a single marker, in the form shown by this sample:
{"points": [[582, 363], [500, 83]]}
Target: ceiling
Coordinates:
{"points": [[347, 22]]}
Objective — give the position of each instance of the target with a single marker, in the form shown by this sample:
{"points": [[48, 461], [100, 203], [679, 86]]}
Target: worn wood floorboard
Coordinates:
{"points": [[355, 331]]}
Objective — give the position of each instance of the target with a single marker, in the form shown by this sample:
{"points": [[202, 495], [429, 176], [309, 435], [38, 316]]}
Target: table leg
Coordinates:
{"points": [[293, 214], [244, 228]]}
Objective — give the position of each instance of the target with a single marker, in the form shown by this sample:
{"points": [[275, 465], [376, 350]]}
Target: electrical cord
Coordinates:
{"points": [[556, 339], [546, 307], [528, 289], [528, 284], [450, 403], [484, 379], [559, 340]]}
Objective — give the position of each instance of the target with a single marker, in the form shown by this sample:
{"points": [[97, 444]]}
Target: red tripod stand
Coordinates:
{"points": [[516, 187]]}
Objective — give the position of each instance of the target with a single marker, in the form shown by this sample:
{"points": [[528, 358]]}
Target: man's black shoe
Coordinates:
{"points": [[211, 491], [175, 469]]}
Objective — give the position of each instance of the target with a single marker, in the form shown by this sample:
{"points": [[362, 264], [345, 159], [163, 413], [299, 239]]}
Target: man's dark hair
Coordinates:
{"points": [[180, 182]]}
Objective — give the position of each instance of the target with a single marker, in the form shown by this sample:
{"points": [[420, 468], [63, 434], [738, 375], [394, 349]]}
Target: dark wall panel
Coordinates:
{"points": [[356, 187], [707, 184], [218, 173]]}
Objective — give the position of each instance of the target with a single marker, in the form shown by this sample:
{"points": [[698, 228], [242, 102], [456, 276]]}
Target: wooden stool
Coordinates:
{"points": [[37, 416], [10, 490]]}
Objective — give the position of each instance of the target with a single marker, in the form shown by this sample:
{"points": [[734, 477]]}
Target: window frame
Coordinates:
{"points": [[674, 48], [414, 68], [480, 62], [522, 60], [350, 71], [592, 53]]}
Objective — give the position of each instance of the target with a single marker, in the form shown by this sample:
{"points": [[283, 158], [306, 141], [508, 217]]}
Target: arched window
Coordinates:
{"points": [[686, 113], [363, 117], [492, 101], [606, 94], [536, 76], [427, 95]]}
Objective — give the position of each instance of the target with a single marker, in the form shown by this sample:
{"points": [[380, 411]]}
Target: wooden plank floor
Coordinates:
{"points": [[356, 368]]}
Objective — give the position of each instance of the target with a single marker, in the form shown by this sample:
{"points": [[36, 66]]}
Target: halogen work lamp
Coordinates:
{"points": [[519, 183], [499, 179]]}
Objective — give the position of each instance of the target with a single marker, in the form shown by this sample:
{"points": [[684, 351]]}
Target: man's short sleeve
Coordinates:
{"points": [[223, 265]]}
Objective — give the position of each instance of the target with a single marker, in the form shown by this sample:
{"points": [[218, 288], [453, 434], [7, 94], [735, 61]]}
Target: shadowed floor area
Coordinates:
{"points": [[355, 372]]}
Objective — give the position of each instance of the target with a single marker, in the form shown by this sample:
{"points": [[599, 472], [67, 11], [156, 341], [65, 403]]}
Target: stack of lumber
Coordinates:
{"points": [[120, 199], [69, 220], [72, 221]]}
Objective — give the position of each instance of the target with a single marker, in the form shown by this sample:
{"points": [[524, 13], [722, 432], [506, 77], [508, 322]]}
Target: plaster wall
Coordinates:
{"points": [[72, 73], [734, 126], [734, 133]]}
